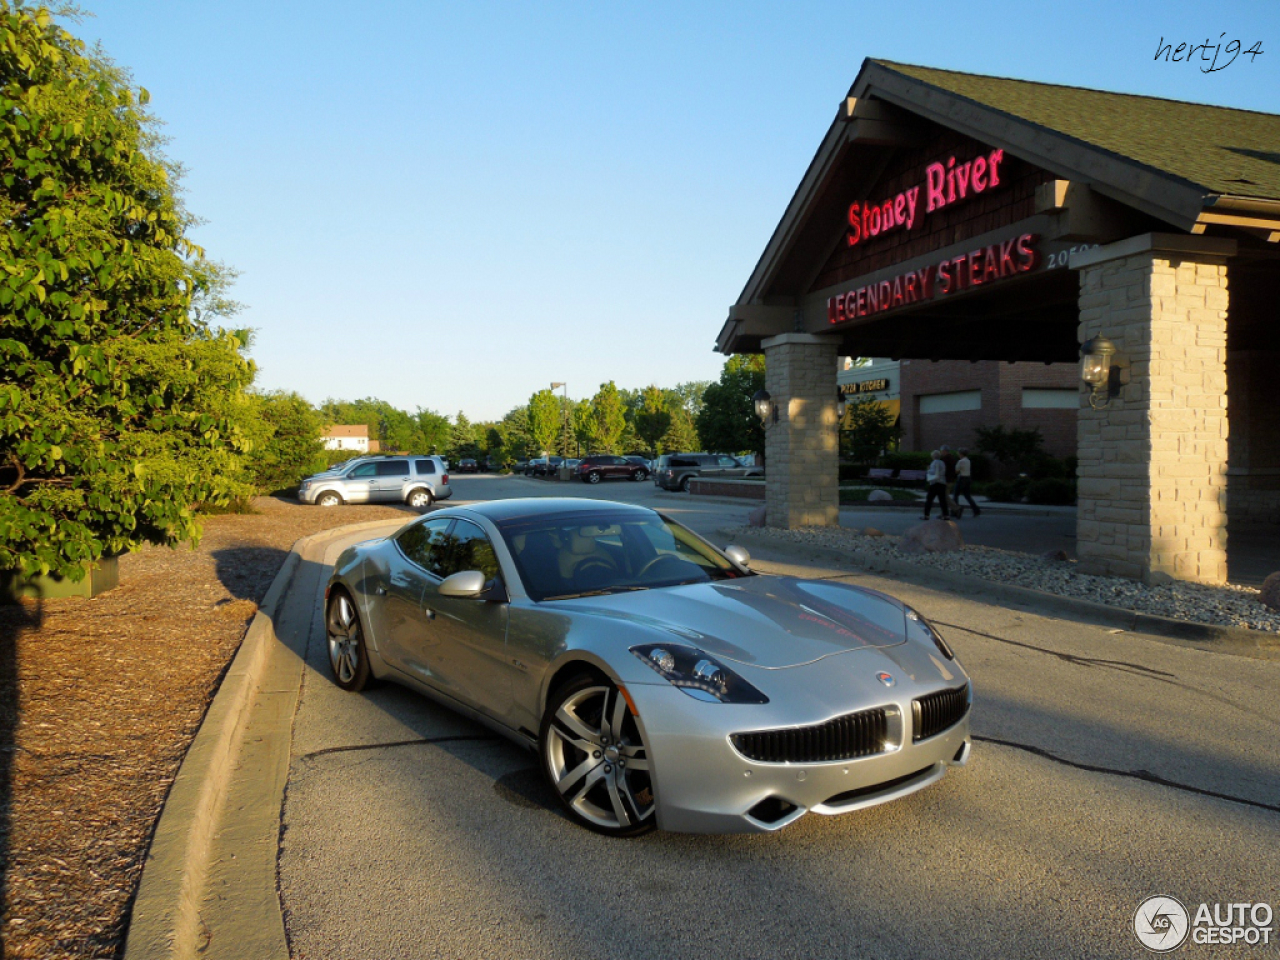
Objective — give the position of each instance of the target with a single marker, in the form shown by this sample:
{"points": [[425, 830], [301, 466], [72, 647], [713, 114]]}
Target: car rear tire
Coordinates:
{"points": [[329, 500], [420, 499], [595, 759], [593, 476], [348, 658], [684, 483]]}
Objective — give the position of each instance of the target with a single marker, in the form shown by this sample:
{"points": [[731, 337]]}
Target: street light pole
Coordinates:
{"points": [[564, 415]]}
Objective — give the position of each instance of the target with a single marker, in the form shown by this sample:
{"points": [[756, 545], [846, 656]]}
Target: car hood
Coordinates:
{"points": [[760, 621]]}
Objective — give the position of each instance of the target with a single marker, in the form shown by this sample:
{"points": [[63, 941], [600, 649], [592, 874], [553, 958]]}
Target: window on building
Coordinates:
{"points": [[951, 402], [1044, 398]]}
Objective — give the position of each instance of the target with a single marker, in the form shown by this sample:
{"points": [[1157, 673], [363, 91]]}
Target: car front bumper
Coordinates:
{"points": [[704, 785]]}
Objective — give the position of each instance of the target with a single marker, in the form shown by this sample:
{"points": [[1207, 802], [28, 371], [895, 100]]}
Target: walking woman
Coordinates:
{"points": [[936, 477]]}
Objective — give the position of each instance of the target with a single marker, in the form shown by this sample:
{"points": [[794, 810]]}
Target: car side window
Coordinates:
{"points": [[393, 468], [424, 466], [426, 544], [364, 470], [467, 547], [727, 462]]}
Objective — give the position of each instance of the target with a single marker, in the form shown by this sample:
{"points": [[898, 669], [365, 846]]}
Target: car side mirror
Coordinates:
{"points": [[738, 555], [465, 583]]}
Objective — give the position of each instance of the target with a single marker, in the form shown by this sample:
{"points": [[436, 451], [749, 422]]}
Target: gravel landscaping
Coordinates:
{"points": [[1227, 606]]}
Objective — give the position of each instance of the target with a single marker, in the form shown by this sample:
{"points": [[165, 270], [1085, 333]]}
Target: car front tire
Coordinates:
{"points": [[348, 657], [593, 476], [594, 757], [329, 500], [639, 475]]}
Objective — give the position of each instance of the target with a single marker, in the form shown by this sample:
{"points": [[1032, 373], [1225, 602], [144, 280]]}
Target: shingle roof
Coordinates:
{"points": [[1220, 149]]}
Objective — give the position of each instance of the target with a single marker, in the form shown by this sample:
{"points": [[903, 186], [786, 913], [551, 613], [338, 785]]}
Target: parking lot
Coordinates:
{"points": [[1107, 768]]}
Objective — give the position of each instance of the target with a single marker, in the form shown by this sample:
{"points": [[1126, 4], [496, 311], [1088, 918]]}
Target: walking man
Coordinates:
{"points": [[964, 478]]}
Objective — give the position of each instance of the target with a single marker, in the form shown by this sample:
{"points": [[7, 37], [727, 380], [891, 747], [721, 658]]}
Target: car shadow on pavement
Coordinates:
{"points": [[14, 620]]}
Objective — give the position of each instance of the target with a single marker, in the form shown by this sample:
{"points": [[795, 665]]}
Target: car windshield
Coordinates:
{"points": [[560, 557]]}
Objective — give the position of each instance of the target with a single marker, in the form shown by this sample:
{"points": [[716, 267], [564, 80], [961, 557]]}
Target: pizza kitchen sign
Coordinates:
{"points": [[944, 184]]}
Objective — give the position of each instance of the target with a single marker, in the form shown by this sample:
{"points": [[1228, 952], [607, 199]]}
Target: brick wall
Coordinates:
{"points": [[1001, 385]]}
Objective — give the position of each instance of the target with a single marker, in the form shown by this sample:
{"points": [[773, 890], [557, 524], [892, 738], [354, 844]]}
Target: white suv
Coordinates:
{"points": [[417, 481]]}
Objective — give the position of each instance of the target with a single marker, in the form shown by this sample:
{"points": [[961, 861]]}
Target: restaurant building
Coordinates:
{"points": [[982, 232]]}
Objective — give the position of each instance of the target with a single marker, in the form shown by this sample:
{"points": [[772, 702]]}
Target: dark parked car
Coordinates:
{"points": [[605, 466], [544, 466], [467, 465]]}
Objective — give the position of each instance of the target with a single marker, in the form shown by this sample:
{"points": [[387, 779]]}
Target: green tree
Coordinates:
{"points": [[652, 419], [462, 442], [608, 418], [727, 420], [293, 446], [870, 430], [434, 431], [544, 420], [121, 407]]}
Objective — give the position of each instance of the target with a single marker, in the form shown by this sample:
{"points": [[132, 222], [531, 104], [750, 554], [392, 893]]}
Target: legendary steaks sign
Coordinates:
{"points": [[944, 184], [973, 269]]}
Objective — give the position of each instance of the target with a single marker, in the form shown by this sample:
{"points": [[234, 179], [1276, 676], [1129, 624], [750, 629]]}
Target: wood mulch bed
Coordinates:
{"points": [[99, 700]]}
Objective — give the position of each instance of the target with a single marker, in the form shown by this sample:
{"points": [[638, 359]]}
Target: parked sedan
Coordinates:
{"points": [[660, 681], [604, 466]]}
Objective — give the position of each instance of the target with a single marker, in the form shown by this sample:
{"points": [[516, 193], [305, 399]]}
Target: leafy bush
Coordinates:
{"points": [[906, 460], [1055, 491], [999, 491]]}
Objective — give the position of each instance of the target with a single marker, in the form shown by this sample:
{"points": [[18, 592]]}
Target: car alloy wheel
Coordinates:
{"points": [[593, 476], [420, 499], [329, 500], [595, 759], [639, 475], [685, 481], [348, 657]]}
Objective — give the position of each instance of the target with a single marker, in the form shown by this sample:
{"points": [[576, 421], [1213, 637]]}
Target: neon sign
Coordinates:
{"points": [[984, 265], [944, 184]]}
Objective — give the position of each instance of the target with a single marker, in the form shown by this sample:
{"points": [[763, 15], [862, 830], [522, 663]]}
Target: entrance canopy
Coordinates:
{"points": [[940, 214]]}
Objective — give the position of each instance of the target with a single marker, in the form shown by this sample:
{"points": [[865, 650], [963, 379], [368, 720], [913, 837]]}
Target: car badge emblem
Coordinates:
{"points": [[886, 679]]}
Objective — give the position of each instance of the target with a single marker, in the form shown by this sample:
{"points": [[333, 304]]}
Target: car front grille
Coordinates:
{"points": [[844, 738], [938, 711]]}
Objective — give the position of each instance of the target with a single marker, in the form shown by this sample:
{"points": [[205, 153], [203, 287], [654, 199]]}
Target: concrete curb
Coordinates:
{"points": [[1236, 640], [165, 921]]}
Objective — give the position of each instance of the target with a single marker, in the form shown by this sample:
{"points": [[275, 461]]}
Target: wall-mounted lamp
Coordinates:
{"points": [[842, 403], [766, 410], [1097, 370]]}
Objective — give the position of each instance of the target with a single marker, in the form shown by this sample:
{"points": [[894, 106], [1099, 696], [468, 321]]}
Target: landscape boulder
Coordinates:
{"points": [[1270, 592], [932, 536], [879, 496], [756, 518], [872, 532]]}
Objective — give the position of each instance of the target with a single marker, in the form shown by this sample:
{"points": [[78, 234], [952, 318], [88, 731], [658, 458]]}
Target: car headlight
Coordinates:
{"points": [[922, 629], [697, 674]]}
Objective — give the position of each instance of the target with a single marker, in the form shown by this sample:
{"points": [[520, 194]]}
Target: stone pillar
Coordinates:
{"points": [[802, 482], [1153, 462]]}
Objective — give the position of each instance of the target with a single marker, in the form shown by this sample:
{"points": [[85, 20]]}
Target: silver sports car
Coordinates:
{"points": [[661, 681]]}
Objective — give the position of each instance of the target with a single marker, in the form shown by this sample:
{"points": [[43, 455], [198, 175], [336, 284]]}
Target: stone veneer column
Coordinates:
{"points": [[1153, 463], [802, 482]]}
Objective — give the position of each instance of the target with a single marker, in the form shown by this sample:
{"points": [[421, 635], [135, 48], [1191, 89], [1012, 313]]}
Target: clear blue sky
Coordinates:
{"points": [[451, 204]]}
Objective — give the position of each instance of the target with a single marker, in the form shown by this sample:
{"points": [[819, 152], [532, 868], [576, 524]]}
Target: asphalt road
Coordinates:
{"points": [[1108, 767]]}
